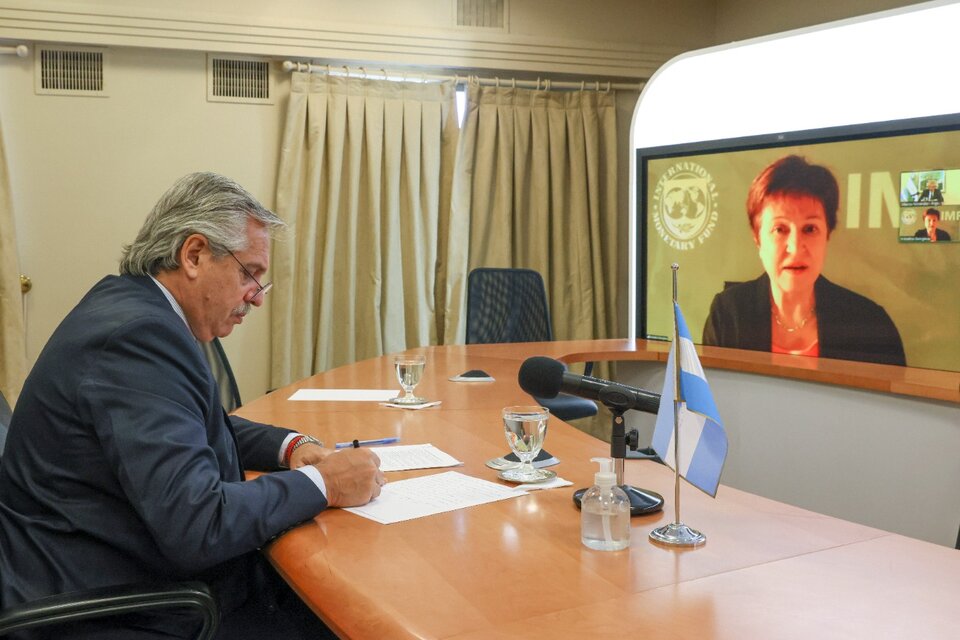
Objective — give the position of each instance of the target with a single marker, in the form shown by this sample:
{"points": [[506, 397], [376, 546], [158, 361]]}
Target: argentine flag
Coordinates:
{"points": [[703, 442]]}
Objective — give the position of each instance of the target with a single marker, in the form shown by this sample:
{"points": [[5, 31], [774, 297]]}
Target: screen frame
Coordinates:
{"points": [[871, 130]]}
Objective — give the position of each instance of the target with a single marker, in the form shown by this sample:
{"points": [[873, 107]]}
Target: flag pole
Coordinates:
{"points": [[676, 400], [676, 533]]}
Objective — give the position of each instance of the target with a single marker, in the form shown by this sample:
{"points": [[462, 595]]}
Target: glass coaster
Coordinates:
{"points": [[539, 475], [410, 401]]}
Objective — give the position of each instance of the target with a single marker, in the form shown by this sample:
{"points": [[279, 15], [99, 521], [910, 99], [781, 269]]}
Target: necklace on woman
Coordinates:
{"points": [[803, 321]]}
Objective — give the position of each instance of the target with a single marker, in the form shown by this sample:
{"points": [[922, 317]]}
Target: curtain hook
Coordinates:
{"points": [[546, 84], [514, 81], [583, 85], [498, 81], [598, 85], [328, 69], [608, 86]]}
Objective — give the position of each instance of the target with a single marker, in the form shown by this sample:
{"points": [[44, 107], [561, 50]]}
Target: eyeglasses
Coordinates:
{"points": [[261, 288]]}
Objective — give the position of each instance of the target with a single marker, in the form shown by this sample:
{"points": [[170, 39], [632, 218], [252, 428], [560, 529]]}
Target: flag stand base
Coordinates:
{"points": [[677, 534]]}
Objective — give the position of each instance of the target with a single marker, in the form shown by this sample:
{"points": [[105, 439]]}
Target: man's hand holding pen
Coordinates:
{"points": [[352, 477]]}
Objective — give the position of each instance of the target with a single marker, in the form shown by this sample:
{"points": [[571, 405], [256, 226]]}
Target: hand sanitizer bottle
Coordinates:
{"points": [[605, 512]]}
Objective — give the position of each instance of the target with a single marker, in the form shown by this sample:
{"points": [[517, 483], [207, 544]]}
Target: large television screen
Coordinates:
{"points": [[764, 264]]}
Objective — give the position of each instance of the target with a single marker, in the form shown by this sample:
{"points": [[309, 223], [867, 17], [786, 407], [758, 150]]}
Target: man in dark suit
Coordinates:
{"points": [[121, 465], [932, 193]]}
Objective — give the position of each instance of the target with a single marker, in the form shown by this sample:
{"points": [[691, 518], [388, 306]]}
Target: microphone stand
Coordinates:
{"points": [[642, 501]]}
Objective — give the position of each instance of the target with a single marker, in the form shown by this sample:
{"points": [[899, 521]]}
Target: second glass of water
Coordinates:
{"points": [[526, 429], [409, 371]]}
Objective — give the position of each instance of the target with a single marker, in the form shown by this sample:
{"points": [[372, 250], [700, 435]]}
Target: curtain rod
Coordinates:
{"points": [[361, 72], [20, 50]]}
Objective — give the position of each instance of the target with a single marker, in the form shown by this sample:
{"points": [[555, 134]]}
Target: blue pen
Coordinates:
{"points": [[366, 443]]}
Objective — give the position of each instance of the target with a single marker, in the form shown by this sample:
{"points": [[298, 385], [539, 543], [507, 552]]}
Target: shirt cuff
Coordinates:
{"points": [[314, 474], [283, 447]]}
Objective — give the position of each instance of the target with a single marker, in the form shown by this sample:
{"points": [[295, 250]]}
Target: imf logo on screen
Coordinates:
{"points": [[684, 207]]}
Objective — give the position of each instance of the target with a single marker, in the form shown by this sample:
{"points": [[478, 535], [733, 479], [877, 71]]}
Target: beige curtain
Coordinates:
{"points": [[365, 174], [12, 337], [536, 187]]}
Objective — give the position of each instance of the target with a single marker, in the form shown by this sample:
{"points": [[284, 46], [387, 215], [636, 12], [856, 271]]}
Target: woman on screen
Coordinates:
{"points": [[792, 308], [931, 219]]}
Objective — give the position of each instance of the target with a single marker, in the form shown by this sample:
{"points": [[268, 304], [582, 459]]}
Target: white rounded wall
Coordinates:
{"points": [[875, 458]]}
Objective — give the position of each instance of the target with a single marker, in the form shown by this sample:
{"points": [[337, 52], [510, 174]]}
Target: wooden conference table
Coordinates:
{"points": [[516, 568]]}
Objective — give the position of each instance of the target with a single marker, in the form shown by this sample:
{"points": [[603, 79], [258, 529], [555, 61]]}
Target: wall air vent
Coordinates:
{"points": [[70, 71], [482, 14], [239, 79]]}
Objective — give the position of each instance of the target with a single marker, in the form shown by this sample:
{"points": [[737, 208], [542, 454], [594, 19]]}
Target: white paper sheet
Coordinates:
{"points": [[413, 456], [553, 483], [345, 395], [414, 407], [429, 495]]}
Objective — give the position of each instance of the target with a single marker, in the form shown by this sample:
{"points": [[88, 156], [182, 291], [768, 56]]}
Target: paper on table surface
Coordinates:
{"points": [[348, 395], [552, 483], [422, 405], [429, 495], [413, 456]]}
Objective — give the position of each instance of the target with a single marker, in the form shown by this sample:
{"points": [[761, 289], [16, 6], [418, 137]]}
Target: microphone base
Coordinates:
{"points": [[642, 501]]}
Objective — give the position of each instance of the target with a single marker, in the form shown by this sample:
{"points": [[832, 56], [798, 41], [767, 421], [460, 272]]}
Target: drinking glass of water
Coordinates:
{"points": [[409, 371], [526, 428]]}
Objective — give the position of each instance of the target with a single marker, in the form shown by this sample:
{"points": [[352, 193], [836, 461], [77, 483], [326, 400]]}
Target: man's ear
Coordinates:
{"points": [[193, 250]]}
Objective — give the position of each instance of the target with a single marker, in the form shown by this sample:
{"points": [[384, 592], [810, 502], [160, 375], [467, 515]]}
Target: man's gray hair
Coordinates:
{"points": [[205, 203]]}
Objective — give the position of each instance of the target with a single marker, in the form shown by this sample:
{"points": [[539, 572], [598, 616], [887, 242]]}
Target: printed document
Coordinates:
{"points": [[348, 395], [428, 495], [413, 456]]}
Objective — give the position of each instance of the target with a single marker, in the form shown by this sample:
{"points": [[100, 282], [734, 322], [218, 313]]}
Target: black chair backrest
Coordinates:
{"points": [[222, 374], [507, 305], [5, 415]]}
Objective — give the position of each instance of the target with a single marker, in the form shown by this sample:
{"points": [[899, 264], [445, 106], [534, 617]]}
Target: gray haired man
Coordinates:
{"points": [[121, 465]]}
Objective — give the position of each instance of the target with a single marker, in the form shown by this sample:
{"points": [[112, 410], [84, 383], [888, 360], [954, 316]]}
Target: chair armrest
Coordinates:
{"points": [[114, 600]]}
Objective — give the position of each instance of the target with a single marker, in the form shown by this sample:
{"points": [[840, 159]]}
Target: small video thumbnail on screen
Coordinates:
{"points": [[929, 209]]}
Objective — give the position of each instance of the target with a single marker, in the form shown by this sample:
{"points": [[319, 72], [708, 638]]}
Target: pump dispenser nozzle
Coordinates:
{"points": [[606, 477]]}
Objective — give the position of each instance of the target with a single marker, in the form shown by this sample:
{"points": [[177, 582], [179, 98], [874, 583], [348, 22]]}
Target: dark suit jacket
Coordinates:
{"points": [[942, 236], [930, 196], [121, 465], [851, 327]]}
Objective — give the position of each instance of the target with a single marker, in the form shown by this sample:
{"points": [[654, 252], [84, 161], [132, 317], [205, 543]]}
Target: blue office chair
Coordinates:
{"points": [[68, 608], [510, 305]]}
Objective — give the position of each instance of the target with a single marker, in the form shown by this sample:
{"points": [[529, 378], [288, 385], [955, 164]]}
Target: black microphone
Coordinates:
{"points": [[545, 378]]}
